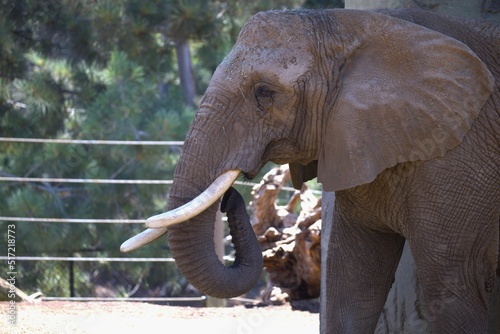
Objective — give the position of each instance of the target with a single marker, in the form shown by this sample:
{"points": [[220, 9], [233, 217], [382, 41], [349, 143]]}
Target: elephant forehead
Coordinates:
{"points": [[253, 64], [275, 29], [272, 46]]}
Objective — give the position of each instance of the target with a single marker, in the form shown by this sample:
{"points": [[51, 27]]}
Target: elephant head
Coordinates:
{"points": [[337, 94]]}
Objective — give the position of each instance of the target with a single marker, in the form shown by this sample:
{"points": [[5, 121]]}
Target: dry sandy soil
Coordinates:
{"points": [[133, 317]]}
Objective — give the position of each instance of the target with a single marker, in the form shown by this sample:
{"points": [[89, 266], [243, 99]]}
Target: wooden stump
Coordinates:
{"points": [[290, 241]]}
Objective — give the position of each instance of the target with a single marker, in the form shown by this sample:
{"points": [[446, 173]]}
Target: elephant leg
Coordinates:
{"points": [[358, 273], [456, 274]]}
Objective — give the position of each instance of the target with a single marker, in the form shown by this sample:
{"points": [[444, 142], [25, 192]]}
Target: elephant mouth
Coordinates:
{"points": [[250, 176], [254, 173], [281, 151], [157, 225]]}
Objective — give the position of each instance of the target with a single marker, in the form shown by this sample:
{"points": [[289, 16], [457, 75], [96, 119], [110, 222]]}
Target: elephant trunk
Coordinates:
{"points": [[192, 242], [192, 246]]}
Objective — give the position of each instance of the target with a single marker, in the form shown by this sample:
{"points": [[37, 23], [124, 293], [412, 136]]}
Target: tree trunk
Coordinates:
{"points": [[186, 73]]}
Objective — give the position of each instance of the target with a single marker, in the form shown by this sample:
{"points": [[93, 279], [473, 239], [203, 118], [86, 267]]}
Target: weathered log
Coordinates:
{"points": [[9, 292], [290, 242]]}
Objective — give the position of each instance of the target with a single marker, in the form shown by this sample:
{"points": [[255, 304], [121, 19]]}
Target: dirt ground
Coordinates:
{"points": [[132, 317]]}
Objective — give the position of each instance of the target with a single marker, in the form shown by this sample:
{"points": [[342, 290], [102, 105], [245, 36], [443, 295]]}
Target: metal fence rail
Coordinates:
{"points": [[89, 259], [66, 180], [90, 141], [73, 220], [96, 259], [126, 299]]}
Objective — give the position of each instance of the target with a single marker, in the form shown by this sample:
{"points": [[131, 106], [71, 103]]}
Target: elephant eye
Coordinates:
{"points": [[264, 96], [264, 92]]}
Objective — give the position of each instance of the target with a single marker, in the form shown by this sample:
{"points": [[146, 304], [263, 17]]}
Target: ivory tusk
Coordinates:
{"points": [[142, 239], [197, 205]]}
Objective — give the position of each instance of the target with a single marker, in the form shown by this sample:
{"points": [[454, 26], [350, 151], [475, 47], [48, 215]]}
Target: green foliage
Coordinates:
{"points": [[187, 18]]}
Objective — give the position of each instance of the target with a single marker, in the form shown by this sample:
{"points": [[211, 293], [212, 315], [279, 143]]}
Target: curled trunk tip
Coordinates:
{"points": [[193, 248]]}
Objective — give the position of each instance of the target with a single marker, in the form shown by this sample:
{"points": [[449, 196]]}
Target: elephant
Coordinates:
{"points": [[397, 112]]}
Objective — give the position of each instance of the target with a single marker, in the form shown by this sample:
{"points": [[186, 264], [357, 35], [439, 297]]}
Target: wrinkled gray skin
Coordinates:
{"points": [[401, 121]]}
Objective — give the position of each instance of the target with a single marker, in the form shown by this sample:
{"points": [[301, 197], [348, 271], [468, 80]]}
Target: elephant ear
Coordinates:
{"points": [[407, 93]]}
